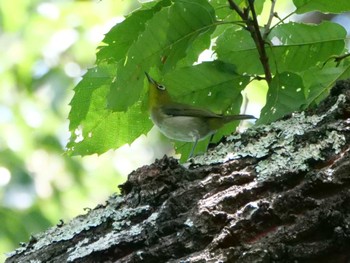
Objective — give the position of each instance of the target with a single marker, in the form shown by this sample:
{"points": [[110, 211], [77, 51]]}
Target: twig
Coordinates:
{"points": [[282, 20], [272, 15], [337, 59]]}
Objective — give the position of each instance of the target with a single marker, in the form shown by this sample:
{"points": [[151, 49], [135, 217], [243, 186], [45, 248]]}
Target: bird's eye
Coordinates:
{"points": [[161, 87]]}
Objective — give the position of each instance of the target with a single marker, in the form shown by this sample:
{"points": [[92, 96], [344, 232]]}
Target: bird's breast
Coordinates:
{"points": [[181, 128]]}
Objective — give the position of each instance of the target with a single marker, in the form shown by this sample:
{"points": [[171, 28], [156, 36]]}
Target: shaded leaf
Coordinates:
{"points": [[318, 82], [285, 95], [296, 47], [235, 46], [213, 85]]}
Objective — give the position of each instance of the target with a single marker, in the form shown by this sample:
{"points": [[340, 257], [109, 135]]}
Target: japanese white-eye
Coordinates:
{"points": [[184, 122]]}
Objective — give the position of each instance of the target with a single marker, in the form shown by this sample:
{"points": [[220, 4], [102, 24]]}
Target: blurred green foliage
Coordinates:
{"points": [[45, 48]]}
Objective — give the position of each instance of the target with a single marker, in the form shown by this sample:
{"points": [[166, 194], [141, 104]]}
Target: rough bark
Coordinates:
{"points": [[277, 193]]}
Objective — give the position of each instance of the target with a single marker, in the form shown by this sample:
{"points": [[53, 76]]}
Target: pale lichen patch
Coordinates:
{"points": [[277, 145]]}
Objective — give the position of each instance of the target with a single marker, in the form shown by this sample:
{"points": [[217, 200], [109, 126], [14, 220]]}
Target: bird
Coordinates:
{"points": [[183, 122]]}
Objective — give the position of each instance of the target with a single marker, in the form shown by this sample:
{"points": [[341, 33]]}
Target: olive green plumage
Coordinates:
{"points": [[183, 122]]}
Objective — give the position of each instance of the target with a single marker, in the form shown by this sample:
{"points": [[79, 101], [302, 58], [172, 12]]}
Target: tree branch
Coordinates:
{"points": [[254, 29], [235, 7]]}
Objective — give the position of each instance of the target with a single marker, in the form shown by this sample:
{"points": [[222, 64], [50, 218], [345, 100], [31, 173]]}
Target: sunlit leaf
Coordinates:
{"points": [[223, 10], [118, 40], [86, 91], [166, 39], [96, 129]]}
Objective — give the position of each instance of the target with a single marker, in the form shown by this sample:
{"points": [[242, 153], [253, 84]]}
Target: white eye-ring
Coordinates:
{"points": [[161, 87]]}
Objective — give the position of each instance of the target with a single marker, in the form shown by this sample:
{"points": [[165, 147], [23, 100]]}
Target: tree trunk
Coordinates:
{"points": [[276, 193]]}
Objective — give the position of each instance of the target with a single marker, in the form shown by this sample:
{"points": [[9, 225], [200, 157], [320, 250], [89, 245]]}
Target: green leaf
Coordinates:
{"points": [[166, 39], [318, 82], [236, 46], [285, 95], [297, 47], [105, 130], [118, 40], [95, 129], [324, 6], [259, 6], [223, 10], [85, 93], [213, 85]]}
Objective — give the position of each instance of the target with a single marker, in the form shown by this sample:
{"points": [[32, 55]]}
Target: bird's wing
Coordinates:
{"points": [[186, 110], [179, 109]]}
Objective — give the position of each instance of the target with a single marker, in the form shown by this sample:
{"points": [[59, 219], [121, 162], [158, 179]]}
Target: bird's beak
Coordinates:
{"points": [[150, 80]]}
